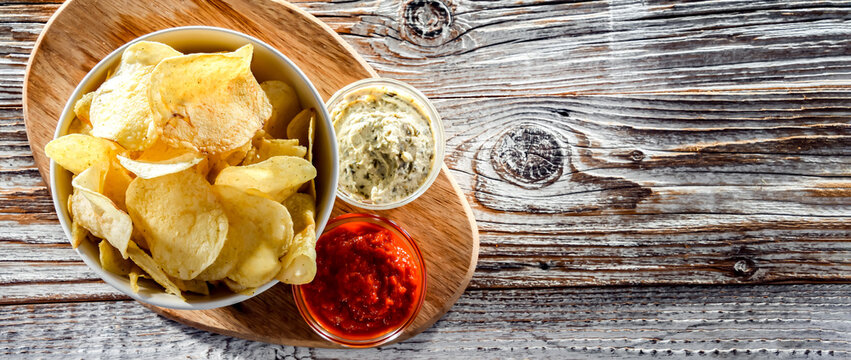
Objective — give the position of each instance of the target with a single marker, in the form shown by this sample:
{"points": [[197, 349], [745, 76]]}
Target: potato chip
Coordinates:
{"points": [[299, 127], [211, 102], [77, 152], [260, 230], [276, 178], [120, 109], [95, 212], [302, 209], [150, 170], [111, 260], [79, 127], [274, 147], [116, 183], [238, 288], [181, 219], [162, 151], [139, 239], [298, 266], [78, 233], [144, 261], [90, 180], [196, 286], [81, 108], [235, 156], [302, 128], [134, 276], [285, 106], [146, 53]]}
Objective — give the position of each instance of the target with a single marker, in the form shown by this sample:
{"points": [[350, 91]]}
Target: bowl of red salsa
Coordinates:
{"points": [[370, 282]]}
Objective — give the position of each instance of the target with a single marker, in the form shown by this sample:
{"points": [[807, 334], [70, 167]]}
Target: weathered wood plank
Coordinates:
{"points": [[648, 189], [752, 322], [473, 48]]}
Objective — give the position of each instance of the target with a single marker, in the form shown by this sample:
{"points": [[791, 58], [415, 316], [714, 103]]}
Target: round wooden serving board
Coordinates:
{"points": [[84, 31]]}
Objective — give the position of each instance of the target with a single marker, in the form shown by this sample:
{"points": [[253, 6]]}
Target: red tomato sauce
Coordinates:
{"points": [[367, 283]]}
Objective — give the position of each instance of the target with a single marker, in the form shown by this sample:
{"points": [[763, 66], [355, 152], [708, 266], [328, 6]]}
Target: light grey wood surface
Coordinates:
{"points": [[783, 321], [599, 143]]}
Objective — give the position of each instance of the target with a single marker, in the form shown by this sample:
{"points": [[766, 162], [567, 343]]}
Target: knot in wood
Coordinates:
{"points": [[528, 155], [427, 18], [744, 268], [636, 155]]}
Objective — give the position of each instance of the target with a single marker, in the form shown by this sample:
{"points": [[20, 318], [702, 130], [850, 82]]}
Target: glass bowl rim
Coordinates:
{"points": [[437, 129], [392, 334]]}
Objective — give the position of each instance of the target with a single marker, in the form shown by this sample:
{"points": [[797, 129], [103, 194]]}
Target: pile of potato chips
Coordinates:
{"points": [[190, 173]]}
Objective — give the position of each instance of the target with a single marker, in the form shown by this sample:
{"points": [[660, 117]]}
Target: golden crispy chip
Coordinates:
{"points": [[81, 108], [260, 230], [235, 156], [299, 128], [162, 151], [196, 286], [95, 212], [146, 53], [139, 239], [276, 178], [211, 102], [238, 288], [311, 131], [77, 152], [78, 233], [91, 179], [79, 127], [302, 209], [144, 261], [298, 266], [274, 147], [181, 219], [302, 128], [150, 170], [111, 260], [216, 167], [116, 183], [134, 275], [120, 109], [285, 105]]}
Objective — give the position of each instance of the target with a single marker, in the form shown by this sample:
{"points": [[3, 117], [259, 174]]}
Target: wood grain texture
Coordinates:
{"points": [[751, 322], [450, 249], [733, 113]]}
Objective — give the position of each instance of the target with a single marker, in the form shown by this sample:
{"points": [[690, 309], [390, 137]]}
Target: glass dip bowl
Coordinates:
{"points": [[311, 309], [407, 92]]}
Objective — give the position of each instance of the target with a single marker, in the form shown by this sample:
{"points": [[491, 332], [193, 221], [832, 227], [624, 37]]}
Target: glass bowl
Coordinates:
{"points": [[436, 126], [388, 335]]}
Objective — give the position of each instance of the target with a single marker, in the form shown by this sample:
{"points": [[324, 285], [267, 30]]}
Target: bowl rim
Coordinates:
{"points": [[298, 295], [437, 131], [64, 217]]}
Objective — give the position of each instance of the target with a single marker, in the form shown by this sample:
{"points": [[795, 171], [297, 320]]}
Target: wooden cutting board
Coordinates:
{"points": [[84, 31]]}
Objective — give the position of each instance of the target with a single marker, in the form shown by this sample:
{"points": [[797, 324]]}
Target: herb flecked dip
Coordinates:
{"points": [[386, 144]]}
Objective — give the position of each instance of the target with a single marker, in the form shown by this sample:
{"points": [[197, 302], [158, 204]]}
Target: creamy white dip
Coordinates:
{"points": [[386, 144]]}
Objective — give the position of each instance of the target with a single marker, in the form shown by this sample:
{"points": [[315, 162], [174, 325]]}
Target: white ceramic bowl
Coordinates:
{"points": [[268, 64]]}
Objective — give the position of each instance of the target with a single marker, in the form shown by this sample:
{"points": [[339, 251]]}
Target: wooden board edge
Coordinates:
{"points": [[332, 33], [474, 259], [45, 173], [164, 312]]}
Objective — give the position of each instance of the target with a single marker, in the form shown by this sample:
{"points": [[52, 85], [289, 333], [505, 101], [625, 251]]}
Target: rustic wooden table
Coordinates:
{"points": [[648, 178]]}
